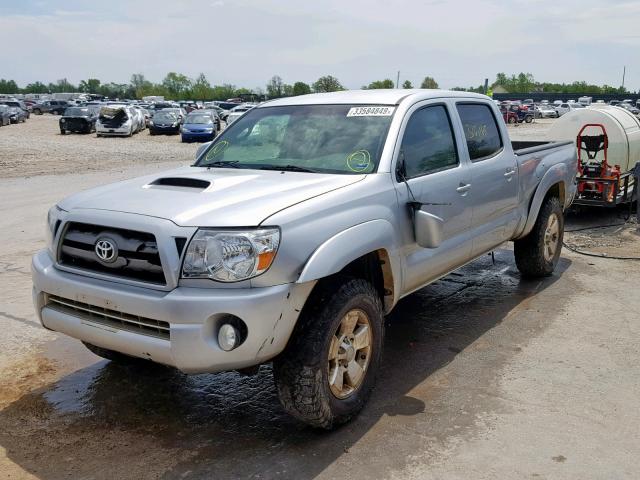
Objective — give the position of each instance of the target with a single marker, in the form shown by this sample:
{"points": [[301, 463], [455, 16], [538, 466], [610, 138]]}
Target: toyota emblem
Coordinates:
{"points": [[106, 250]]}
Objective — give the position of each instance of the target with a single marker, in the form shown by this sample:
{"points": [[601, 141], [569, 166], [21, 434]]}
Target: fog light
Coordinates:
{"points": [[228, 337]]}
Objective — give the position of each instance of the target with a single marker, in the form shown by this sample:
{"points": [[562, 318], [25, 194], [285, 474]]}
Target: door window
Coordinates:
{"points": [[480, 130], [428, 144]]}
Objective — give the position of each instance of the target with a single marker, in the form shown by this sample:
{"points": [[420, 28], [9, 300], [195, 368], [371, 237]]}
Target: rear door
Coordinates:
{"points": [[437, 176], [494, 176]]}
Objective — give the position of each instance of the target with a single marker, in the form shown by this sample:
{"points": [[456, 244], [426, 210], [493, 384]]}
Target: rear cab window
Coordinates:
{"points": [[480, 130]]}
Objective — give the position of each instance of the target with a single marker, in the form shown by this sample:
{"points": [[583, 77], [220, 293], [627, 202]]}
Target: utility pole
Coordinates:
{"points": [[624, 72], [398, 80]]}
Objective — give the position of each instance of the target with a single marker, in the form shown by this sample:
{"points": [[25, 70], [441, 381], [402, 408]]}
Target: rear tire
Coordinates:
{"points": [[341, 325], [538, 253]]}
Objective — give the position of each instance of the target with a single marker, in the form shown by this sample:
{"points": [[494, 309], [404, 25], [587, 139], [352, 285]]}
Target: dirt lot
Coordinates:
{"points": [[37, 148], [485, 375]]}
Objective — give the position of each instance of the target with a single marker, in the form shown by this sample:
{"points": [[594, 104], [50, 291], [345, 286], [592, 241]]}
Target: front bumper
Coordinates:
{"points": [[166, 130], [102, 130], [270, 314], [200, 136]]}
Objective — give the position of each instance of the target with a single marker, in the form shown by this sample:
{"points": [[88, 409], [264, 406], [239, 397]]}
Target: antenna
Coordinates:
{"points": [[398, 80]]}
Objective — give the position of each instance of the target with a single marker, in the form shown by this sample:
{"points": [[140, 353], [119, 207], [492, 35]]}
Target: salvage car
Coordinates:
{"points": [[141, 121], [116, 120], [547, 111], [164, 122], [215, 115], [199, 127], [55, 107], [18, 104], [237, 112], [179, 112], [78, 120], [295, 232], [568, 107], [17, 115], [5, 116]]}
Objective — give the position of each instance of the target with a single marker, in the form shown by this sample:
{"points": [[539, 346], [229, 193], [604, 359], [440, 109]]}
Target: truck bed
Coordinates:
{"points": [[523, 147]]}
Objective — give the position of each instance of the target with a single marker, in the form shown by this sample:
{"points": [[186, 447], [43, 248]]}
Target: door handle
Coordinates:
{"points": [[463, 188], [509, 173]]}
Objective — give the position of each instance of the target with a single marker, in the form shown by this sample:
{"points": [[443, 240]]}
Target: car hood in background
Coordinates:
{"points": [[216, 197]]}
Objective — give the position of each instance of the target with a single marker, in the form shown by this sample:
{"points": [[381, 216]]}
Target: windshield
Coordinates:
{"points": [[204, 119], [76, 112], [345, 139], [165, 116]]}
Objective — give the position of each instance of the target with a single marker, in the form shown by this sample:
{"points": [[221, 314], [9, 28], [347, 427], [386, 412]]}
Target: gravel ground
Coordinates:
{"points": [[37, 148], [537, 130]]}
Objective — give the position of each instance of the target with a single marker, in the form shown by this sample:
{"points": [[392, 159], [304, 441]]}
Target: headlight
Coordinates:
{"points": [[151, 123], [184, 130], [62, 120], [175, 124], [230, 256], [53, 217]]}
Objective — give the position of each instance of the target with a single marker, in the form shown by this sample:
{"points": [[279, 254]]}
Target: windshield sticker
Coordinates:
{"points": [[373, 111], [217, 149], [359, 161]]}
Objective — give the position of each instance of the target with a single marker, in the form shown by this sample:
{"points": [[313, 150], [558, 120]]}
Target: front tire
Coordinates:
{"points": [[327, 372], [538, 253]]}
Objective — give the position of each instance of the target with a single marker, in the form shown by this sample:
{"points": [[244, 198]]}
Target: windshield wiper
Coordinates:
{"points": [[224, 164], [289, 168]]}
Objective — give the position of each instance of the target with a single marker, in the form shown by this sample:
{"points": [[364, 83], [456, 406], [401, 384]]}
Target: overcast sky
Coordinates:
{"points": [[245, 42]]}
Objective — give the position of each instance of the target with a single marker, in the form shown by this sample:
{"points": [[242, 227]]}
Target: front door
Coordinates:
{"points": [[435, 175]]}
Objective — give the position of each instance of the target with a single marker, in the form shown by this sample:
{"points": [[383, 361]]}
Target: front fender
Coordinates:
{"points": [[558, 173], [343, 248]]}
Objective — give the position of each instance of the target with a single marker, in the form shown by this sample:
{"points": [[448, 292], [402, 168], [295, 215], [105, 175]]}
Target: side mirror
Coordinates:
{"points": [[428, 228]]}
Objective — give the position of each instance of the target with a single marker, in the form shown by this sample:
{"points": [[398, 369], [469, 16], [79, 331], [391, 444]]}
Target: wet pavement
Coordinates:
{"points": [[232, 426]]}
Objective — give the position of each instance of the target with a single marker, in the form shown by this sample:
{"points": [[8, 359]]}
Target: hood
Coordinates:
{"points": [[195, 126], [216, 197]]}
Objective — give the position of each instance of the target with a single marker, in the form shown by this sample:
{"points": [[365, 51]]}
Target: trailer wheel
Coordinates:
{"points": [[327, 372], [538, 253]]}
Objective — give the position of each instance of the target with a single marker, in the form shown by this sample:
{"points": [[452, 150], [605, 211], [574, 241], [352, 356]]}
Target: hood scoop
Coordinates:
{"points": [[182, 182]]}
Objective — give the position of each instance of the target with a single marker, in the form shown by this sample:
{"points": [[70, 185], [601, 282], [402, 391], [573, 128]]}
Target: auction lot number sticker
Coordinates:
{"points": [[372, 111]]}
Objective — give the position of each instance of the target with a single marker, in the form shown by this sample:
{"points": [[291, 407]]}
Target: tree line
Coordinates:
{"points": [[176, 86]]}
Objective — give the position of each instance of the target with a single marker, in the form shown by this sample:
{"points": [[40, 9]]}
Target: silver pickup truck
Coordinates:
{"points": [[295, 232]]}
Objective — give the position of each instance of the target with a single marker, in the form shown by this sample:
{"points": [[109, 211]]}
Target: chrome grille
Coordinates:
{"points": [[138, 256], [110, 318]]}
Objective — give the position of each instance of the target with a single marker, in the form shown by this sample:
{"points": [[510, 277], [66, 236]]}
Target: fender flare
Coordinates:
{"points": [[350, 244], [556, 174]]}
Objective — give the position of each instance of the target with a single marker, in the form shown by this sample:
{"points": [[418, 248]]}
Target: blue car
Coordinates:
{"points": [[200, 127]]}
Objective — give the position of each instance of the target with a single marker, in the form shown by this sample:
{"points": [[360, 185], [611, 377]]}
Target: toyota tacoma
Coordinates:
{"points": [[295, 232]]}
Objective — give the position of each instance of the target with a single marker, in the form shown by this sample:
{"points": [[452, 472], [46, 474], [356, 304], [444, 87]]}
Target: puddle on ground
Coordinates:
{"points": [[228, 425]]}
